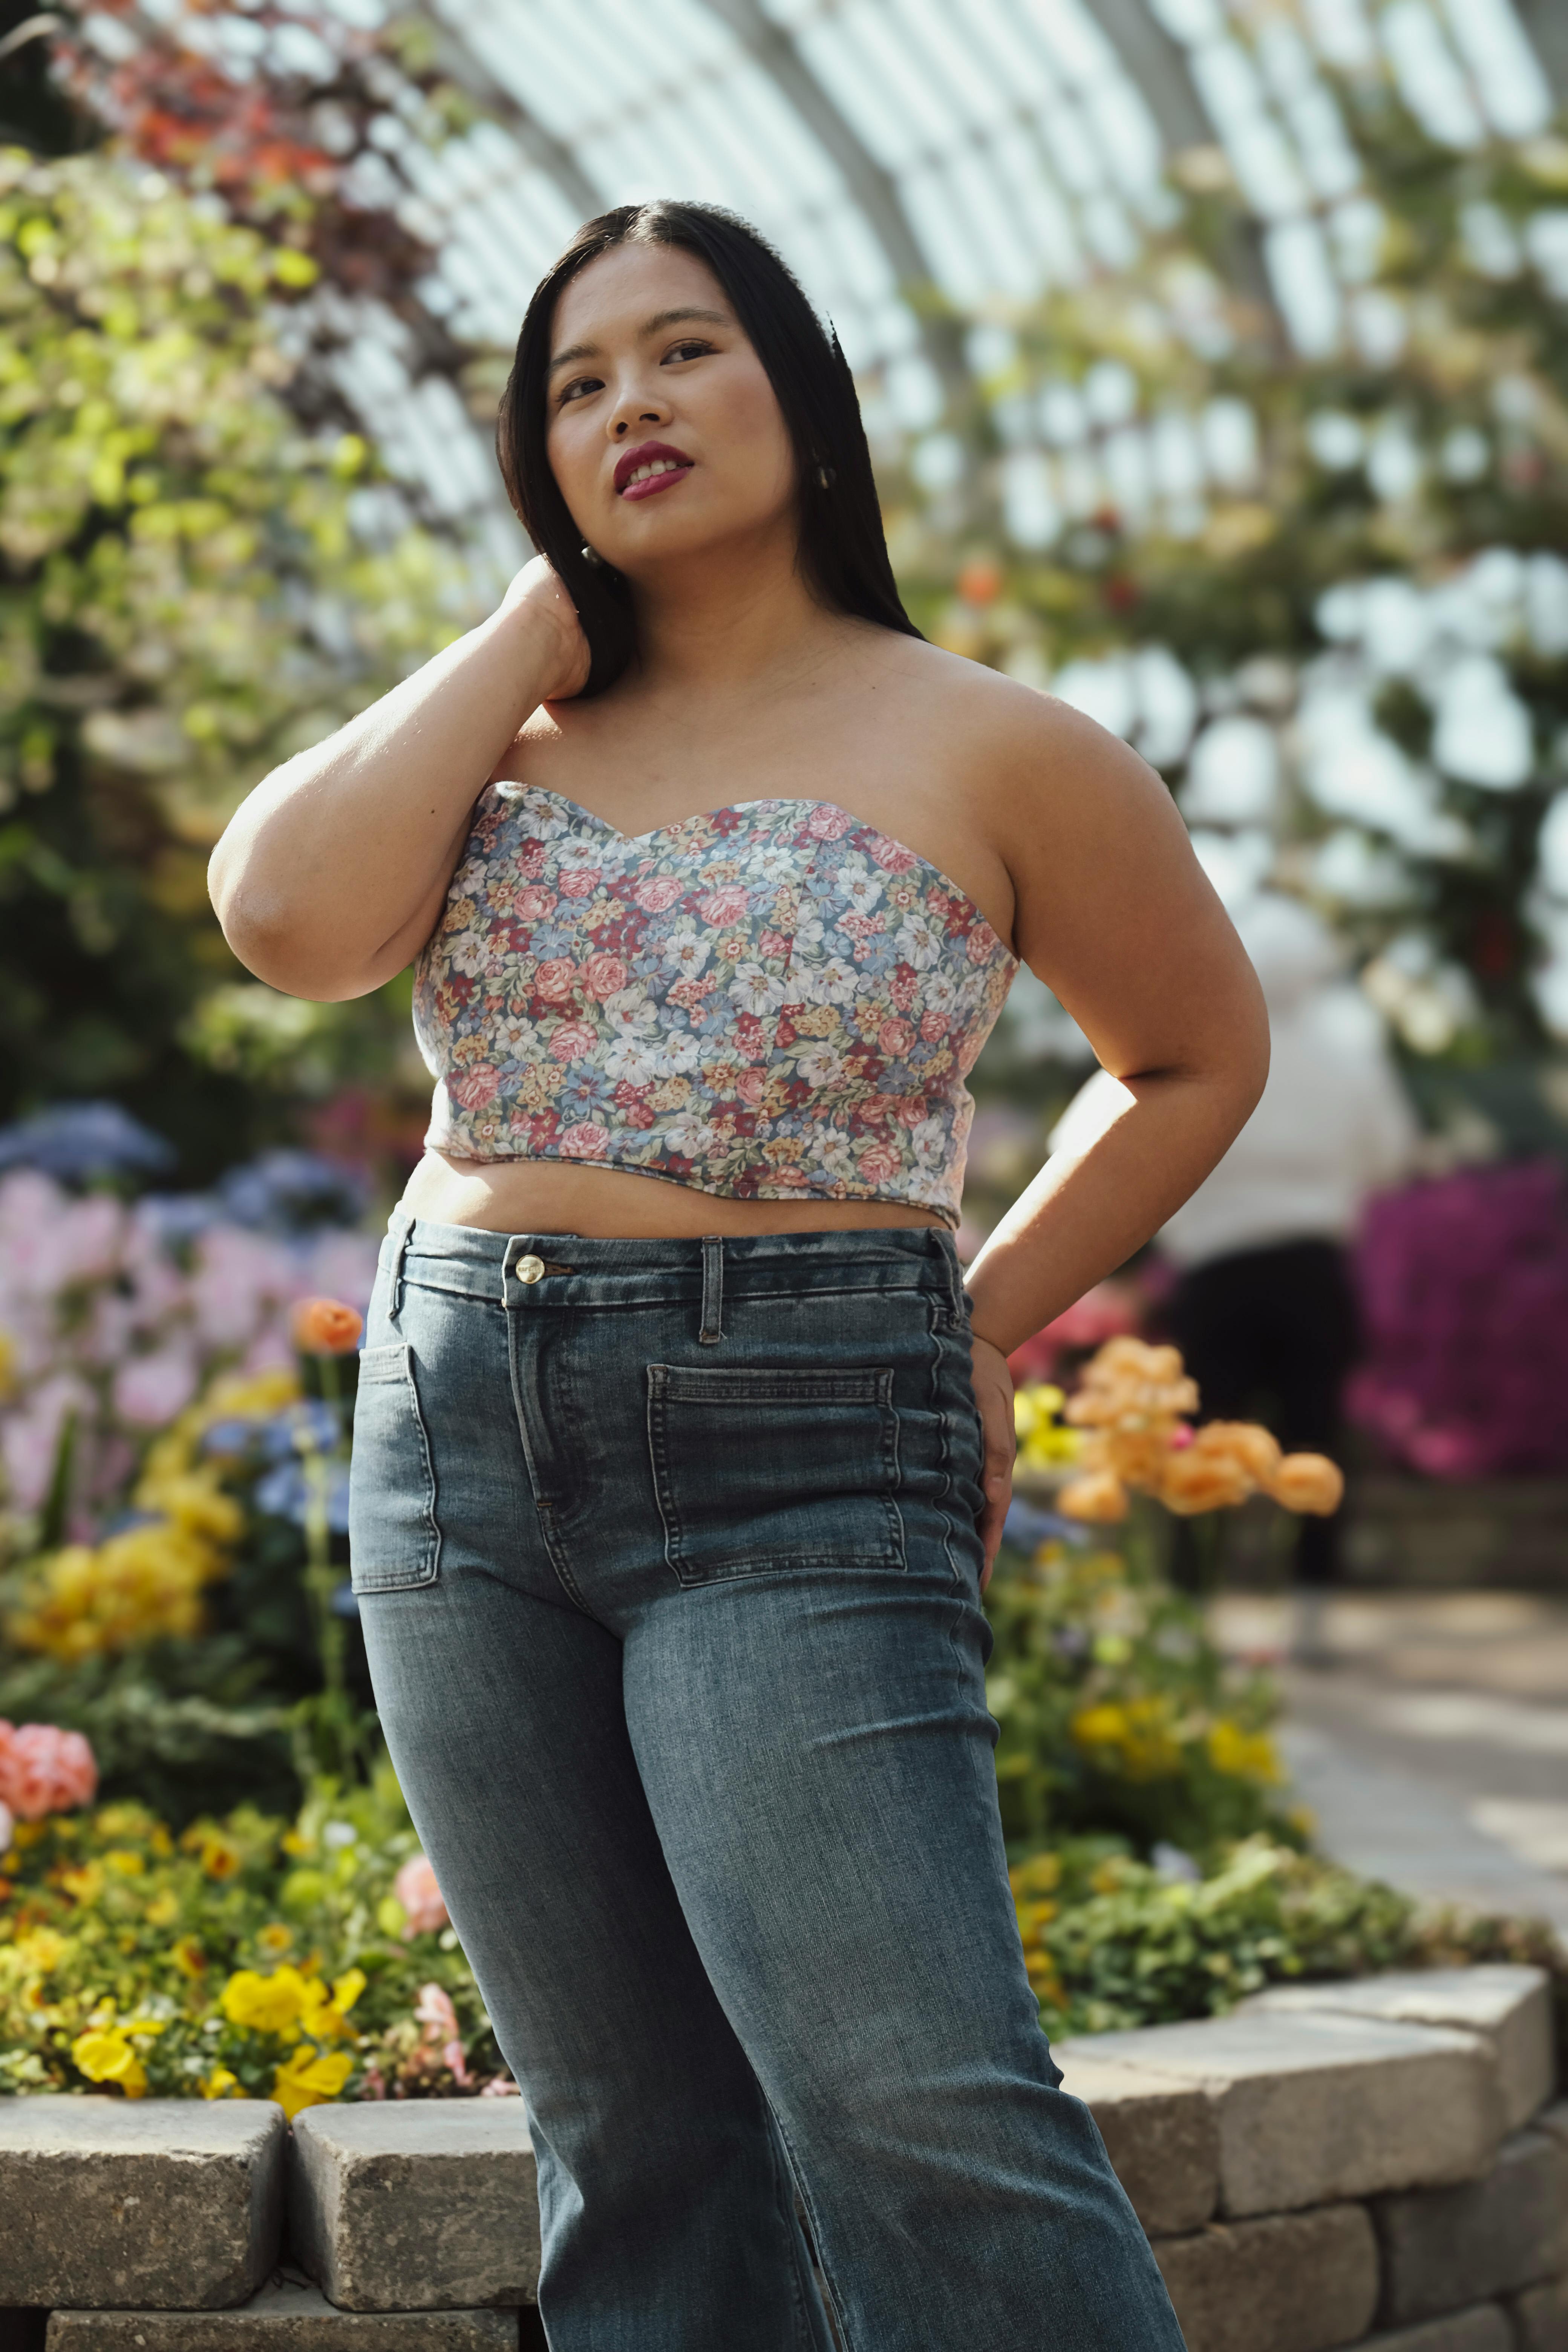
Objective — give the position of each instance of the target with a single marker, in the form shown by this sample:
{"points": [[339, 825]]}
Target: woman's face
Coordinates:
{"points": [[663, 431]]}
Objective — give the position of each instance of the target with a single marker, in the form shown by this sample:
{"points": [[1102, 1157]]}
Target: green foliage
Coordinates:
{"points": [[194, 587], [1118, 1714], [110, 1920]]}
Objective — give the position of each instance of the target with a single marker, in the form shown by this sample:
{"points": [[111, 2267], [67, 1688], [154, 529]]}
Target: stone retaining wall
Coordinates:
{"points": [[1378, 2164]]}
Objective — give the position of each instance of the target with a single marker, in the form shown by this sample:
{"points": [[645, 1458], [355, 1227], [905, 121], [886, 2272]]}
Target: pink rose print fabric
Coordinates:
{"points": [[772, 1001]]}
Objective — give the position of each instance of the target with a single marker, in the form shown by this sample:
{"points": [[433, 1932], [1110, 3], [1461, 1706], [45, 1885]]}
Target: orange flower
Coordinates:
{"points": [[325, 1326], [1244, 1442], [979, 581], [1309, 1482], [1100, 1497], [1201, 1479]]}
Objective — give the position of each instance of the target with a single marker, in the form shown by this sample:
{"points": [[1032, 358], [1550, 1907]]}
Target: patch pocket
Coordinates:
{"points": [[393, 1538], [760, 1470]]}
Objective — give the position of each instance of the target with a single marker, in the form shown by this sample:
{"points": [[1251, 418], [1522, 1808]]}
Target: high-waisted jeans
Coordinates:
{"points": [[667, 1561]]}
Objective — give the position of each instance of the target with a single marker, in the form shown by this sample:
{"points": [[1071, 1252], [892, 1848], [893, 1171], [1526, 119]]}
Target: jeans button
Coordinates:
{"points": [[529, 1269]]}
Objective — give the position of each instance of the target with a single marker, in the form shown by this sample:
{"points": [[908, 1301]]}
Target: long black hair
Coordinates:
{"points": [[843, 553]]}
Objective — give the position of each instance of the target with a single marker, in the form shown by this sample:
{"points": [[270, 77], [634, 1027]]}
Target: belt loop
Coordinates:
{"points": [[401, 1226], [712, 1329]]}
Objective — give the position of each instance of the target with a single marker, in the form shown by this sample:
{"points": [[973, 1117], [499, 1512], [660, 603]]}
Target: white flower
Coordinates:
{"points": [[689, 1136], [582, 849], [929, 1142], [754, 989], [635, 1059], [544, 819], [687, 948], [470, 953], [833, 1154], [677, 1052], [920, 942], [629, 1012], [770, 861], [939, 993], [808, 935], [860, 882], [835, 982], [819, 1065]]}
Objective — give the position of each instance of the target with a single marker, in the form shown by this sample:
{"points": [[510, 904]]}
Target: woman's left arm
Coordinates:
{"points": [[1116, 916]]}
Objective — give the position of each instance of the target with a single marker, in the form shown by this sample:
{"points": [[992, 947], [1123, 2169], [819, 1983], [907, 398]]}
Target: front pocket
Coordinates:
{"points": [[760, 1470], [393, 1538]]}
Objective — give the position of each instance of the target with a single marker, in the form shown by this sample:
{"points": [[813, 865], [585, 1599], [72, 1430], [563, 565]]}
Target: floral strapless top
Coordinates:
{"points": [[772, 1001]]}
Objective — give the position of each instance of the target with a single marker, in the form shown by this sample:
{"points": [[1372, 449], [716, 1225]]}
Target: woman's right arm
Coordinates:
{"points": [[330, 877]]}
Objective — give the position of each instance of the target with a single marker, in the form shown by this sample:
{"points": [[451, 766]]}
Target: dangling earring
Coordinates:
{"points": [[824, 477], [591, 555]]}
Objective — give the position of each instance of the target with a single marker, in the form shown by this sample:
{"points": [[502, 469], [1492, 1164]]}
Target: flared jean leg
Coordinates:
{"points": [[667, 2219]]}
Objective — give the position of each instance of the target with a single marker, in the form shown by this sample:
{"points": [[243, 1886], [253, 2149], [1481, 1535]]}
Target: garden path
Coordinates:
{"points": [[1434, 1750]]}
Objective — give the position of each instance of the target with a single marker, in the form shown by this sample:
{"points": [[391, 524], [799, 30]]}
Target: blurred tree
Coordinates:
{"points": [[196, 583]]}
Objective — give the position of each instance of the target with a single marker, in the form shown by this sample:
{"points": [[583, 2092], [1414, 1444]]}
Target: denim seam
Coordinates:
{"points": [[544, 1510], [812, 2215], [939, 1342], [786, 2191]]}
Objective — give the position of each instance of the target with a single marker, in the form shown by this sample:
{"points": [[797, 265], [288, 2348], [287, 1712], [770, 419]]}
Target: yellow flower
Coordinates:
{"points": [[7, 1363], [221, 1858], [292, 1843], [189, 1955], [104, 2055], [1243, 1755], [42, 1949], [125, 1861], [1041, 1874], [104, 2052], [275, 1937], [1043, 1441], [1135, 1740], [221, 2085], [164, 1909], [306, 2079], [266, 2004], [324, 2016], [84, 1882]]}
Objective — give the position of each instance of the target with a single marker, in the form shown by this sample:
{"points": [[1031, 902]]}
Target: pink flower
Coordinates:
{"points": [[934, 1027], [422, 1900], [723, 905], [659, 892], [572, 1041], [826, 824], [475, 1087], [579, 881], [749, 1086], [895, 1038], [604, 976], [880, 1162], [500, 2086], [910, 1109], [434, 2012], [584, 1141], [148, 1391], [982, 940], [891, 855], [555, 980], [44, 1769], [531, 903]]}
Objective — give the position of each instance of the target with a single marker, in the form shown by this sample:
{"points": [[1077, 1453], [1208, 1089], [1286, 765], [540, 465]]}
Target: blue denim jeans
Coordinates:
{"points": [[668, 1567]]}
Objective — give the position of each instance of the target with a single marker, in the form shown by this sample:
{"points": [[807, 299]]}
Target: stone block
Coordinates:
{"points": [[1315, 2107], [1540, 2318], [1292, 2283], [147, 2202], [283, 2318], [423, 2205], [1446, 2248], [1160, 2134], [1483, 2328], [1510, 2007]]}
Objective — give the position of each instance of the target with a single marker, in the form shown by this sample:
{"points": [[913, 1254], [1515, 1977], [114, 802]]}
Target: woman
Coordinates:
{"points": [[681, 1453]]}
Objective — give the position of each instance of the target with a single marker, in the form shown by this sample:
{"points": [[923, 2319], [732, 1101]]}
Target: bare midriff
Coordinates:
{"points": [[549, 1196]]}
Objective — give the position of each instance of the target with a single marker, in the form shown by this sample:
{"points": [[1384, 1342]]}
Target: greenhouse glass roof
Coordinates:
{"points": [[992, 149]]}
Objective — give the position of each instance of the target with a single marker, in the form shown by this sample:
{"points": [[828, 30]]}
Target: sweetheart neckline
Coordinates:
{"points": [[765, 800]]}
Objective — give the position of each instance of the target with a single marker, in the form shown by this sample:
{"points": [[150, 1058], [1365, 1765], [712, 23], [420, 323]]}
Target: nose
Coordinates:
{"points": [[637, 406]]}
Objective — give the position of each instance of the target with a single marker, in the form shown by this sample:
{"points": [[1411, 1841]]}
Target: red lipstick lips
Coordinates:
{"points": [[674, 465]]}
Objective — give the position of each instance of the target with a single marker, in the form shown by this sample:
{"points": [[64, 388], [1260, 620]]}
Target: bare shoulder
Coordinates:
{"points": [[1018, 751]]}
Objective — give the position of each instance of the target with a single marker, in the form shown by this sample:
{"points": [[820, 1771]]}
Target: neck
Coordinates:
{"points": [[737, 616]]}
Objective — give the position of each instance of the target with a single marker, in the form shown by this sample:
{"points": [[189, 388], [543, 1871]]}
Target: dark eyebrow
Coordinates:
{"points": [[659, 320]]}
